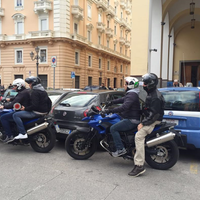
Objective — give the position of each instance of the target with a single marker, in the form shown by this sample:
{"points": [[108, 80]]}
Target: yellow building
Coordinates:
{"points": [[166, 40], [88, 37]]}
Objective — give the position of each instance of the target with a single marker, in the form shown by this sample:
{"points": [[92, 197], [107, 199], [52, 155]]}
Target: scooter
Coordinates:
{"points": [[40, 130], [160, 148]]}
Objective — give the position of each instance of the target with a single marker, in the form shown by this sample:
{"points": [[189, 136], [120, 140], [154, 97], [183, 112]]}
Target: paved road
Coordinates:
{"points": [[27, 175]]}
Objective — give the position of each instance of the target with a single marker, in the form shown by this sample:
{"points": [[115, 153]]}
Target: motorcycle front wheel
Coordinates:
{"points": [[81, 146], [43, 141], [163, 156]]}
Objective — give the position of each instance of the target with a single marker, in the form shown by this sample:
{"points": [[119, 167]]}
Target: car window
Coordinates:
{"points": [[10, 93], [116, 96], [181, 100], [78, 100]]}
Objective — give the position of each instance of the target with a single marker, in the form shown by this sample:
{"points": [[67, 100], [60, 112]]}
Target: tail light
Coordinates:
{"points": [[52, 109], [98, 108], [85, 113]]}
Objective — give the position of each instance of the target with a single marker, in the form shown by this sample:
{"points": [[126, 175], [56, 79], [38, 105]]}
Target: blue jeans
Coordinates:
{"points": [[5, 120], [18, 116], [123, 125]]}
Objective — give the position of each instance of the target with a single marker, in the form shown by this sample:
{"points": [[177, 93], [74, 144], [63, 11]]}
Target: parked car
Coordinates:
{"points": [[70, 110], [183, 108], [55, 95], [9, 93], [92, 87]]}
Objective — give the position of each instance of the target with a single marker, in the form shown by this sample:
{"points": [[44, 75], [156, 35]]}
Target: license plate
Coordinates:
{"points": [[57, 128], [65, 131], [171, 121]]}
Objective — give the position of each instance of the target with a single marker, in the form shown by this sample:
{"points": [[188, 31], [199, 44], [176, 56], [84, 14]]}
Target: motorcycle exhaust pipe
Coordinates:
{"points": [[37, 128], [160, 140]]}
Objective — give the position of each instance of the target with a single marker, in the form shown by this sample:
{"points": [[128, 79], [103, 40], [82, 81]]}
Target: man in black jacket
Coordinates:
{"points": [[23, 97], [38, 107], [129, 111], [154, 111]]}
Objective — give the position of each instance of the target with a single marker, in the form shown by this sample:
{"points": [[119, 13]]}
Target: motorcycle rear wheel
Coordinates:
{"points": [[43, 141], [77, 146], [166, 157]]}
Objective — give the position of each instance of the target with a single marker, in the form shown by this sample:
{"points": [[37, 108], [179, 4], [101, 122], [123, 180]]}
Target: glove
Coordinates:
{"points": [[107, 111], [109, 103]]}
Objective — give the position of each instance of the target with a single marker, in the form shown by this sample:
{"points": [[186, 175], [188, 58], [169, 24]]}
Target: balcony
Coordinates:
{"points": [[1, 12], [3, 36], [36, 34], [42, 6], [110, 11], [128, 10], [122, 4], [102, 4], [122, 40], [109, 32], [123, 23], [100, 27], [127, 44], [128, 27], [77, 12]]}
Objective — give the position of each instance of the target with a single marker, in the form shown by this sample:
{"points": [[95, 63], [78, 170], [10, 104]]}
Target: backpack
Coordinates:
{"points": [[49, 104]]}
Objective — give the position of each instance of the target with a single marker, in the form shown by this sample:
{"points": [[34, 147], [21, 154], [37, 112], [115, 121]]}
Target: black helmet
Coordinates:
{"points": [[33, 80], [150, 80]]}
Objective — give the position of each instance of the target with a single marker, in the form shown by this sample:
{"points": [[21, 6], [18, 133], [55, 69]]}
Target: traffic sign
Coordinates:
{"points": [[53, 61], [72, 74]]}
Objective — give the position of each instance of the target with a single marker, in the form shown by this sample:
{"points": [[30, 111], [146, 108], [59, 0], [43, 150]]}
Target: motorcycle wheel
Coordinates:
{"points": [[76, 147], [43, 141], [166, 156]]}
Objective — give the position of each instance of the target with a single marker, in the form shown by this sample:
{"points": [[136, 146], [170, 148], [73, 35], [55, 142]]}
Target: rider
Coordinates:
{"points": [[154, 111], [129, 111], [38, 107], [23, 97]]}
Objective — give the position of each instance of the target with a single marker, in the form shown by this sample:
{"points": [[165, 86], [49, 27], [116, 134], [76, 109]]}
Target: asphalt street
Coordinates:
{"points": [[27, 175]]}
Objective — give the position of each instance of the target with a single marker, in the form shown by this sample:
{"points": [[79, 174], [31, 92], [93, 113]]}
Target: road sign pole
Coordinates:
{"points": [[54, 77]]}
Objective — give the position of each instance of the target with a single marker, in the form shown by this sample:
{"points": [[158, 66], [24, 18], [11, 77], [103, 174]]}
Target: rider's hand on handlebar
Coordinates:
{"points": [[22, 108], [109, 103]]}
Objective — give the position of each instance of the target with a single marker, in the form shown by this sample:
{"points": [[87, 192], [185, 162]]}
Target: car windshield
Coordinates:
{"points": [[54, 97], [78, 100], [181, 100], [10, 93]]}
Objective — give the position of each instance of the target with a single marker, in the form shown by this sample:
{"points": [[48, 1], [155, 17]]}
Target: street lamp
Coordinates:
{"points": [[37, 57]]}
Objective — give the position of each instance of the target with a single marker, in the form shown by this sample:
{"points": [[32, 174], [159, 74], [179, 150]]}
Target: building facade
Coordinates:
{"points": [[166, 40], [90, 38]]}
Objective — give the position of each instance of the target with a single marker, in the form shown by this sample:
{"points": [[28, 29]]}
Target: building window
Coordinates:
{"points": [[115, 9], [99, 39], [108, 2], [126, 69], [121, 83], [115, 30], [99, 17], [89, 11], [99, 63], [76, 3], [121, 33], [89, 80], [20, 28], [126, 52], [121, 15], [108, 24], [114, 47], [18, 56], [120, 49], [43, 55], [126, 36], [90, 61], [121, 68], [115, 69], [75, 28], [0, 27], [108, 65], [76, 57], [19, 4], [43, 23], [108, 43], [19, 23]]}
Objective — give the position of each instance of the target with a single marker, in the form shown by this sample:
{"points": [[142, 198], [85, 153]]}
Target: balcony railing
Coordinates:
{"points": [[3, 36], [127, 43], [1, 12], [128, 10], [123, 22], [48, 33], [100, 27], [110, 11], [42, 6], [77, 12], [122, 40], [102, 4], [109, 32], [122, 4]]}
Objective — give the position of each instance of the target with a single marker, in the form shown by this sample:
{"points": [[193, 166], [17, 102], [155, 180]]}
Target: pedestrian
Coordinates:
{"points": [[177, 84]]}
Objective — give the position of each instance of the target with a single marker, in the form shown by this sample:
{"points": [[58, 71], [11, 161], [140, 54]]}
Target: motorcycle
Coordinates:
{"points": [[40, 130], [161, 151]]}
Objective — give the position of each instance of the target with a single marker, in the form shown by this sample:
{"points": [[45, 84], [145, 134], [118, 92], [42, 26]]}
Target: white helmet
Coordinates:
{"points": [[19, 83], [131, 82]]}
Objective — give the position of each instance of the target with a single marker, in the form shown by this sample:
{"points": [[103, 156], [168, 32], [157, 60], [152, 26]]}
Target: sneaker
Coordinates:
{"points": [[137, 170], [21, 136], [8, 139], [119, 152]]}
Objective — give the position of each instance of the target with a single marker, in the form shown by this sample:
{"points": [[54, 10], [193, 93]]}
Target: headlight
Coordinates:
{"points": [[100, 121]]}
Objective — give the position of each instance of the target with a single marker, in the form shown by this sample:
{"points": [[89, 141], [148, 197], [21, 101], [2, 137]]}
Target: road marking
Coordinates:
{"points": [[193, 169]]}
